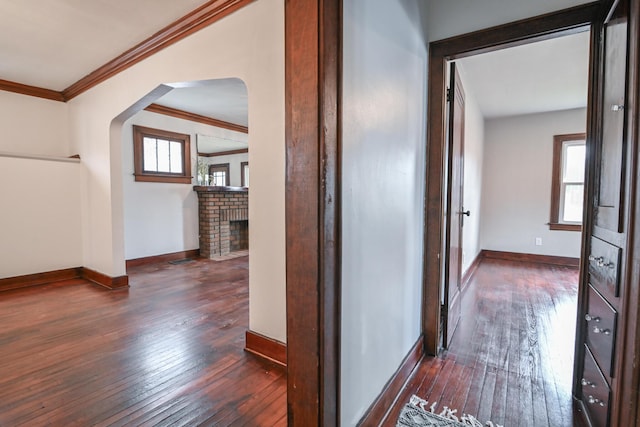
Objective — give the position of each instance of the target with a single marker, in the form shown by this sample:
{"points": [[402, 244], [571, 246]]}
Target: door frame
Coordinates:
{"points": [[313, 61], [551, 25]]}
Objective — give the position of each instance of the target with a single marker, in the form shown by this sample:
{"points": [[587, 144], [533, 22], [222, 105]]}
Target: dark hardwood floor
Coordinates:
{"points": [[166, 352], [511, 358]]}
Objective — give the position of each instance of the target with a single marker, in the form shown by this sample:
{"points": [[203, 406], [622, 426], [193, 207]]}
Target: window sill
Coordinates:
{"points": [[163, 178], [565, 227]]}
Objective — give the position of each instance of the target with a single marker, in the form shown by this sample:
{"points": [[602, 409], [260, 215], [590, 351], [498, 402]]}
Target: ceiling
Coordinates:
{"points": [[550, 75], [210, 144], [538, 77], [54, 43], [222, 99]]}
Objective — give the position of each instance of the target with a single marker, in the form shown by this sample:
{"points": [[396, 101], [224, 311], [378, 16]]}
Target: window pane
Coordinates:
{"points": [[572, 211], [574, 163], [163, 156], [149, 156], [245, 171], [176, 157], [219, 179]]}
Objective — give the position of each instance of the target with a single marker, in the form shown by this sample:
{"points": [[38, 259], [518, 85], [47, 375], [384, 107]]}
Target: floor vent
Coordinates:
{"points": [[181, 261]]}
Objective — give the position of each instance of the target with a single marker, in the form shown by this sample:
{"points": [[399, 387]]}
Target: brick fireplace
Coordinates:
{"points": [[223, 220]]}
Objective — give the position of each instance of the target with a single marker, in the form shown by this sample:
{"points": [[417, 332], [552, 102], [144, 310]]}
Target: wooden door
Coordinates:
{"points": [[455, 209]]}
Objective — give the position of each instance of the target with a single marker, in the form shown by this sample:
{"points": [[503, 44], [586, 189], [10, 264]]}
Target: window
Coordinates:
{"points": [[567, 182], [219, 175], [161, 156], [244, 170]]}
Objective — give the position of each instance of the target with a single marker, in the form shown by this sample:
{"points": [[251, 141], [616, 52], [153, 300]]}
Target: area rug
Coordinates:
{"points": [[416, 414]]}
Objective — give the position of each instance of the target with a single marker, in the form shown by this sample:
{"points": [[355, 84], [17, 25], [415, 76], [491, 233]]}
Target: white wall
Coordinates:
{"points": [[40, 216], [382, 195], [454, 17], [161, 218], [248, 44], [473, 158], [516, 188], [33, 125]]}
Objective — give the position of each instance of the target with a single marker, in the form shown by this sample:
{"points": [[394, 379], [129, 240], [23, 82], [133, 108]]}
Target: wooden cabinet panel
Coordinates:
{"points": [[604, 267], [601, 330], [608, 347], [595, 391], [612, 161]]}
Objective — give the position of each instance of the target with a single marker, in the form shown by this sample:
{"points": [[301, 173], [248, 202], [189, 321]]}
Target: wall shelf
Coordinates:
{"points": [[39, 157]]}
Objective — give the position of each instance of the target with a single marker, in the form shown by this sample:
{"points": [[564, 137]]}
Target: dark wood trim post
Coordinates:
{"points": [[312, 71]]}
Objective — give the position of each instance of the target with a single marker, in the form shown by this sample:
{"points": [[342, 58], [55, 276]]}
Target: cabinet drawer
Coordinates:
{"points": [[601, 330], [604, 267], [595, 391]]}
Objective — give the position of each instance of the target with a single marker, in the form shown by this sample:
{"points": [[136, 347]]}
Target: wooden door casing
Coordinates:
{"points": [[543, 27]]}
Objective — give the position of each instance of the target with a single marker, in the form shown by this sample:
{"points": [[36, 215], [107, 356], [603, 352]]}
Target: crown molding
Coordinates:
{"points": [[201, 17], [181, 114], [36, 91]]}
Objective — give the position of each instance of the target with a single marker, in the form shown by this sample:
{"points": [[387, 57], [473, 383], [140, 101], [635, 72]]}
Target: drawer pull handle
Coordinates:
{"points": [[590, 318], [597, 330], [587, 383], [595, 401], [600, 262], [607, 265]]}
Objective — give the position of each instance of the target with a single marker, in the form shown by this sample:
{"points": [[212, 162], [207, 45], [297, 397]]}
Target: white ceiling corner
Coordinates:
{"points": [[550, 75]]}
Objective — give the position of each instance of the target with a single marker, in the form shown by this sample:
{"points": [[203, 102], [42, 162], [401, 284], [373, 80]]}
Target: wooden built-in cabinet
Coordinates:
{"points": [[602, 350]]}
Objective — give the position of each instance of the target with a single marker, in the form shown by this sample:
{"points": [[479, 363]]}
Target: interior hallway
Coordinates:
{"points": [[166, 352], [511, 359]]}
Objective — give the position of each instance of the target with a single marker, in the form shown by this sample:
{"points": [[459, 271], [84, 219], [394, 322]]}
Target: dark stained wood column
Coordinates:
{"points": [[312, 71]]}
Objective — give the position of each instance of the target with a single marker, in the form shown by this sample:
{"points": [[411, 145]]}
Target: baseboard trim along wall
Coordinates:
{"points": [[540, 259], [45, 278], [265, 347], [466, 277], [378, 412], [174, 256], [104, 280], [39, 278]]}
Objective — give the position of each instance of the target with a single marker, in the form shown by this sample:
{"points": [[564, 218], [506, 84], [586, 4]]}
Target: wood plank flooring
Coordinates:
{"points": [[166, 352], [511, 358]]}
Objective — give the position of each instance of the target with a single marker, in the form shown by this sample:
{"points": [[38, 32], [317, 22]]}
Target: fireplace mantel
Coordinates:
{"points": [[223, 215], [213, 189]]}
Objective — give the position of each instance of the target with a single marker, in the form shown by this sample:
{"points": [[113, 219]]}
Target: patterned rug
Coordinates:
{"points": [[416, 414]]}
